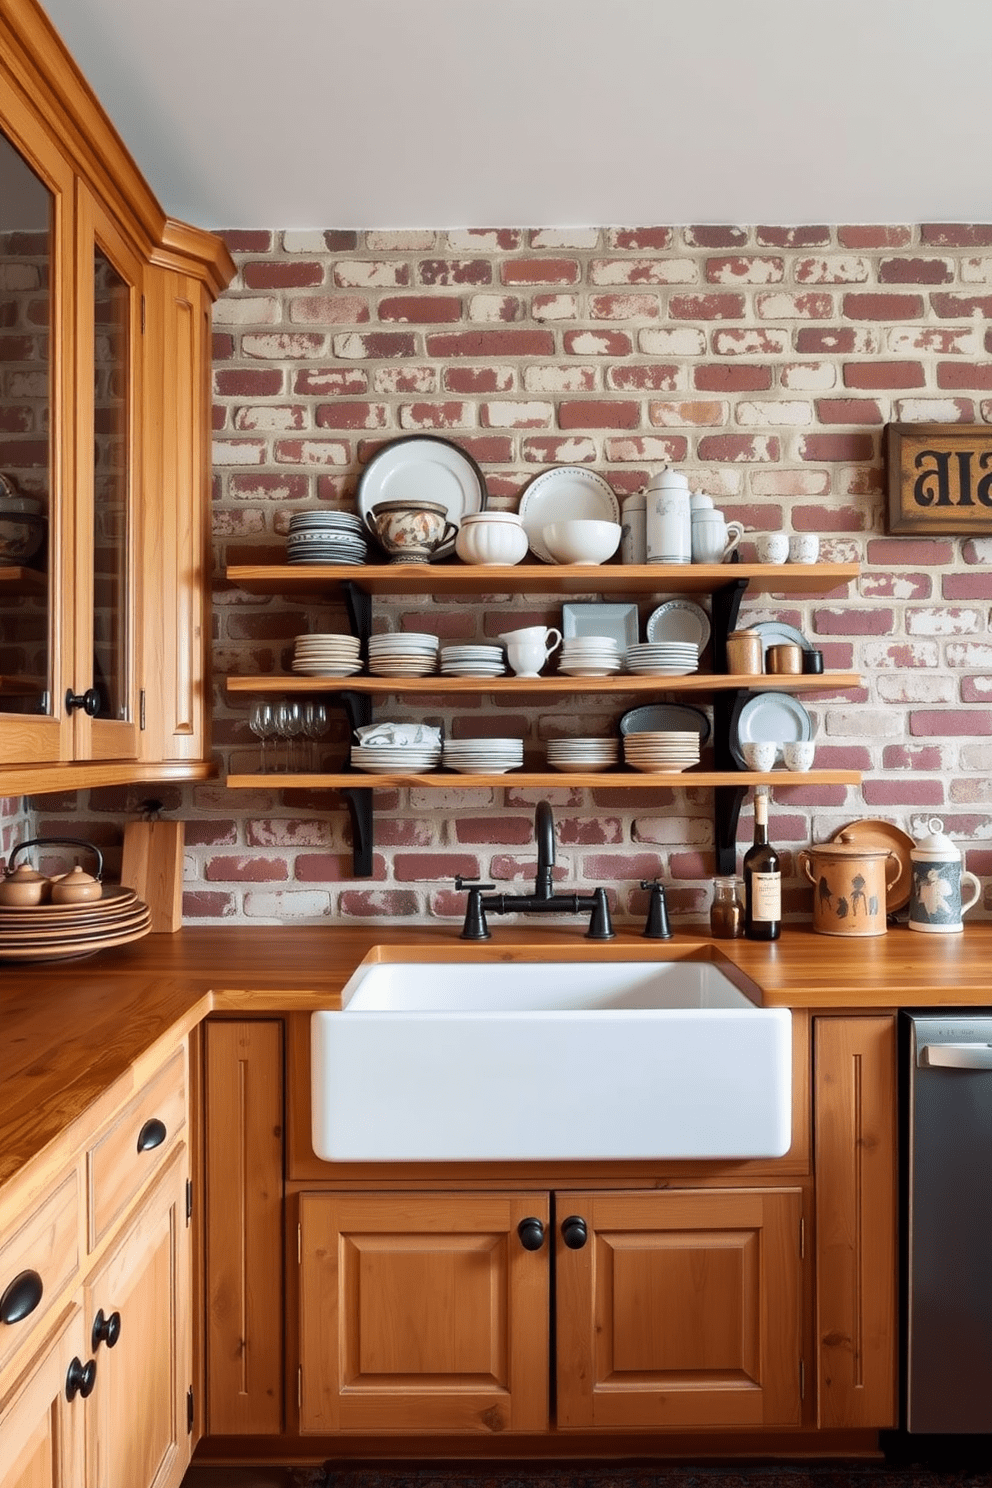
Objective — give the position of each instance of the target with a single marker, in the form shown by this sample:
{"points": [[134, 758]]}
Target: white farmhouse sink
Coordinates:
{"points": [[664, 1059]]}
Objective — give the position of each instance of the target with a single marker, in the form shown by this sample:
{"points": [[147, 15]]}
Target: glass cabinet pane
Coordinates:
{"points": [[111, 463], [26, 481]]}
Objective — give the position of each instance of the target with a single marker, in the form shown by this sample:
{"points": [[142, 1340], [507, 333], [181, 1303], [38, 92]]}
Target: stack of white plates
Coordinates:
{"points": [[472, 661], [589, 656], [411, 759], [325, 537], [663, 658], [583, 755], [404, 654], [327, 655], [673, 750], [483, 756]]}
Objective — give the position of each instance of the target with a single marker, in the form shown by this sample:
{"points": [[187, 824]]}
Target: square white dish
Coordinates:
{"points": [[617, 620]]}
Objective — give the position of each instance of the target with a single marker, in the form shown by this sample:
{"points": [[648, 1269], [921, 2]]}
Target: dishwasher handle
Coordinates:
{"points": [[955, 1056]]}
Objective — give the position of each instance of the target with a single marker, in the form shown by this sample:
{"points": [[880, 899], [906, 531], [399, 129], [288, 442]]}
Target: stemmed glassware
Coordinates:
{"points": [[315, 724], [262, 722]]}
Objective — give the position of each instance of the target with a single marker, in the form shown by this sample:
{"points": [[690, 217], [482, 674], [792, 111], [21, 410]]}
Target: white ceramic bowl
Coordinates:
{"points": [[490, 539], [581, 541]]}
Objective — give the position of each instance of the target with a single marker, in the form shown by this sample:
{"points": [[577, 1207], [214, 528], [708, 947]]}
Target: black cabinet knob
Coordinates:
{"points": [[80, 1379], [151, 1135], [531, 1232], [89, 701], [21, 1297], [573, 1232], [105, 1330]]}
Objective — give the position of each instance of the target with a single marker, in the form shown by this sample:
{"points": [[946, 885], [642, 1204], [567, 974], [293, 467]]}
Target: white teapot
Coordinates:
{"points": [[935, 902]]}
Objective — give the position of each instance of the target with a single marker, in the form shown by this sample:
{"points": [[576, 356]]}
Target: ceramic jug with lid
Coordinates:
{"points": [[849, 882], [668, 530], [935, 902]]}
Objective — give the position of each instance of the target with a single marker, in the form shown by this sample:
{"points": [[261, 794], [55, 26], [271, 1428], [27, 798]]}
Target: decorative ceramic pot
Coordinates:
{"points": [[410, 531], [849, 882]]}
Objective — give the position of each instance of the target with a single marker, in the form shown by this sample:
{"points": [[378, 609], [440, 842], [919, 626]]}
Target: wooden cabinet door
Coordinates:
{"points": [[422, 1313], [681, 1309], [136, 1427], [856, 1175], [40, 1430]]}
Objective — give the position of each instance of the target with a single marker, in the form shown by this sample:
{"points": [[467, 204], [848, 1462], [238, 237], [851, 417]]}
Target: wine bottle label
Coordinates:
{"points": [[766, 896]]}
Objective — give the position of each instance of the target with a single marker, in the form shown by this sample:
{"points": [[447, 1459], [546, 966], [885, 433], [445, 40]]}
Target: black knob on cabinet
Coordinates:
{"points": [[152, 1134], [80, 1379], [105, 1330], [573, 1232], [531, 1232], [89, 701], [21, 1297]]}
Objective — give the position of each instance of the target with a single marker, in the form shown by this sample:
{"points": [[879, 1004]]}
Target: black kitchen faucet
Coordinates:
{"points": [[543, 900]]}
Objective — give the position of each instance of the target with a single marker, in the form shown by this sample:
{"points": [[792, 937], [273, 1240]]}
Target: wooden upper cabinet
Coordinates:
{"points": [[105, 420]]}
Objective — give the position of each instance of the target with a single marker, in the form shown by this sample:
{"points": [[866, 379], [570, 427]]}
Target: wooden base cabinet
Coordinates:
{"points": [[41, 1431], [428, 1311]]}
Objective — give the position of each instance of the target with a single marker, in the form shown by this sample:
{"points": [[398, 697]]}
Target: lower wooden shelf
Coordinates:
{"points": [[561, 780]]}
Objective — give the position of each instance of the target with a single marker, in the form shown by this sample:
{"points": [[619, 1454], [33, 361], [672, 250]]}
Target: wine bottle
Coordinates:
{"points": [[762, 880]]}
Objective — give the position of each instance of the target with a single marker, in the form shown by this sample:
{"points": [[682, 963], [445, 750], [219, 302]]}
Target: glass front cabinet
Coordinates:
{"points": [[104, 443]]}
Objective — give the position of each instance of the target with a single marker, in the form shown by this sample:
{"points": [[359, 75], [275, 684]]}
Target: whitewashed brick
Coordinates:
{"points": [[239, 452], [916, 687], [277, 906], [629, 271], [490, 308], [565, 237], [560, 379], [926, 410], [944, 621], [251, 310], [790, 483], [865, 723], [889, 655], [673, 831], [809, 377], [405, 241], [304, 242], [554, 307], [760, 415], [977, 655], [833, 268], [672, 341], [976, 270]]}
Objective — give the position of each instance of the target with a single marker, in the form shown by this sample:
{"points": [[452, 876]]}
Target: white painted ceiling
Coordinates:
{"points": [[563, 113]]}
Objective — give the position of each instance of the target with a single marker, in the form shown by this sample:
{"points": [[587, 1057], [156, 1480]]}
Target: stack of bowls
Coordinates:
{"points": [[664, 752], [403, 654], [325, 537], [663, 658], [583, 755], [589, 656]]}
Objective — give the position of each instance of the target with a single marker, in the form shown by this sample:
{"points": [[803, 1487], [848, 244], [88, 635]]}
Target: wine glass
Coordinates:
{"points": [[262, 722], [289, 727], [315, 724]]}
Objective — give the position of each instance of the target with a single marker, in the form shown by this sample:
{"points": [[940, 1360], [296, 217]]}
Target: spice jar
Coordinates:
{"points": [[727, 909]]}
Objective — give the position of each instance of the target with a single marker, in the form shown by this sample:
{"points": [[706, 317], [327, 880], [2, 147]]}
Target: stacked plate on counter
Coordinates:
{"points": [[589, 656], [472, 661], [663, 658], [384, 759], [326, 537], [483, 756], [403, 654], [63, 932], [327, 655], [673, 750], [583, 755]]}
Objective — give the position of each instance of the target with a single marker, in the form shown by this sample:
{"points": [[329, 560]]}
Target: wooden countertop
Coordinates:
{"points": [[69, 1030]]}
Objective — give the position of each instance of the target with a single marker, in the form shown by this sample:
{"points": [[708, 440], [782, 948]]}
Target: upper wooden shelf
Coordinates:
{"points": [[541, 578], [697, 682]]}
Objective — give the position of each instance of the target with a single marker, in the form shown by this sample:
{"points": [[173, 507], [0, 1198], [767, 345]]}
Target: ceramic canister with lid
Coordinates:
{"points": [[849, 885], [668, 519], [935, 902], [634, 537]]}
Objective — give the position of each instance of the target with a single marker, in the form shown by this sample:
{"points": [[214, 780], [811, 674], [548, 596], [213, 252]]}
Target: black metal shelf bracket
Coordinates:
{"points": [[359, 802]]}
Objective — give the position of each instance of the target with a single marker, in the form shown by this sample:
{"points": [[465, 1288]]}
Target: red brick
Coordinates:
{"points": [[377, 346], [957, 234], [420, 309], [378, 903], [750, 342], [654, 447], [611, 867], [837, 340], [430, 866], [854, 622], [221, 348], [294, 274], [883, 306], [439, 271], [494, 343], [478, 379], [326, 867], [495, 829], [718, 377], [435, 415], [247, 242], [311, 452], [874, 374], [599, 415], [246, 870], [869, 236], [706, 307], [405, 379], [849, 411], [707, 235], [813, 305], [901, 757], [340, 240], [975, 585], [793, 237], [641, 239], [915, 271], [896, 585], [673, 415], [553, 450], [248, 382], [837, 447], [735, 448], [327, 382], [540, 271], [976, 689], [950, 722], [653, 377], [597, 343], [970, 374], [958, 306], [352, 416], [905, 792], [487, 449], [842, 757], [329, 309], [201, 904]]}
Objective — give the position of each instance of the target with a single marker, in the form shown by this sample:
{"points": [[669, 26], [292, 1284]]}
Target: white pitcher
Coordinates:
{"points": [[713, 539], [935, 902]]}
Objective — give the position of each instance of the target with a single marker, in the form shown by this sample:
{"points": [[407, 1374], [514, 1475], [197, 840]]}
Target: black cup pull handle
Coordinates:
{"points": [[151, 1135], [80, 1378], [531, 1232], [105, 1330], [21, 1297], [573, 1232]]}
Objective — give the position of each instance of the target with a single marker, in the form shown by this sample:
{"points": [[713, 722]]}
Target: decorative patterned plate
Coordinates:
{"points": [[565, 494], [884, 834]]}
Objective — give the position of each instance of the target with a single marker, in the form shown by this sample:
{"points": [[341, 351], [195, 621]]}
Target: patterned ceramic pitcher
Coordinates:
{"points": [[935, 902]]}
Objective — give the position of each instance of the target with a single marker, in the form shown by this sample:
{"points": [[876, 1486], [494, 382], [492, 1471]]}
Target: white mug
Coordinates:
{"points": [[804, 548], [773, 547], [713, 539]]}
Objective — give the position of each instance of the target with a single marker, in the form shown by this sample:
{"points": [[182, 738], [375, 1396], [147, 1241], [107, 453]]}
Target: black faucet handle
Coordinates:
{"points": [[472, 883], [657, 927]]}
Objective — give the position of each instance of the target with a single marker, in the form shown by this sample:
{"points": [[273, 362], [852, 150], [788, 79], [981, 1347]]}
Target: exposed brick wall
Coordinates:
{"points": [[764, 361]]}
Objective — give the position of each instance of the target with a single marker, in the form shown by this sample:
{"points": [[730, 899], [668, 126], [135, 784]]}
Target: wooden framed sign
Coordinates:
{"points": [[939, 479]]}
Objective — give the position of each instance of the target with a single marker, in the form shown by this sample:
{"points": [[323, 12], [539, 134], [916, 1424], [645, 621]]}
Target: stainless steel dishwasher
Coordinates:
{"points": [[947, 1183]]}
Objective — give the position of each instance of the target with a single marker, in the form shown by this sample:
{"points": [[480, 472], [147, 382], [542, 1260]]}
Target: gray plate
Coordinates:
{"points": [[659, 717]]}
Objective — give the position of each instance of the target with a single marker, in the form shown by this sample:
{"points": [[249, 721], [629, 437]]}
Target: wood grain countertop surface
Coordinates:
{"points": [[69, 1030]]}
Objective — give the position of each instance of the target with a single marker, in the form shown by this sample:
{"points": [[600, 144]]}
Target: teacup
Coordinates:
{"points": [[533, 635], [410, 531], [773, 547], [798, 754], [760, 754], [526, 658], [804, 548]]}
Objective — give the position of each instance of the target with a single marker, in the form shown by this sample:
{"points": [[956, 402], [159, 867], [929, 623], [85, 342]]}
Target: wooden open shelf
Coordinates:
{"points": [[697, 682], [549, 779]]}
